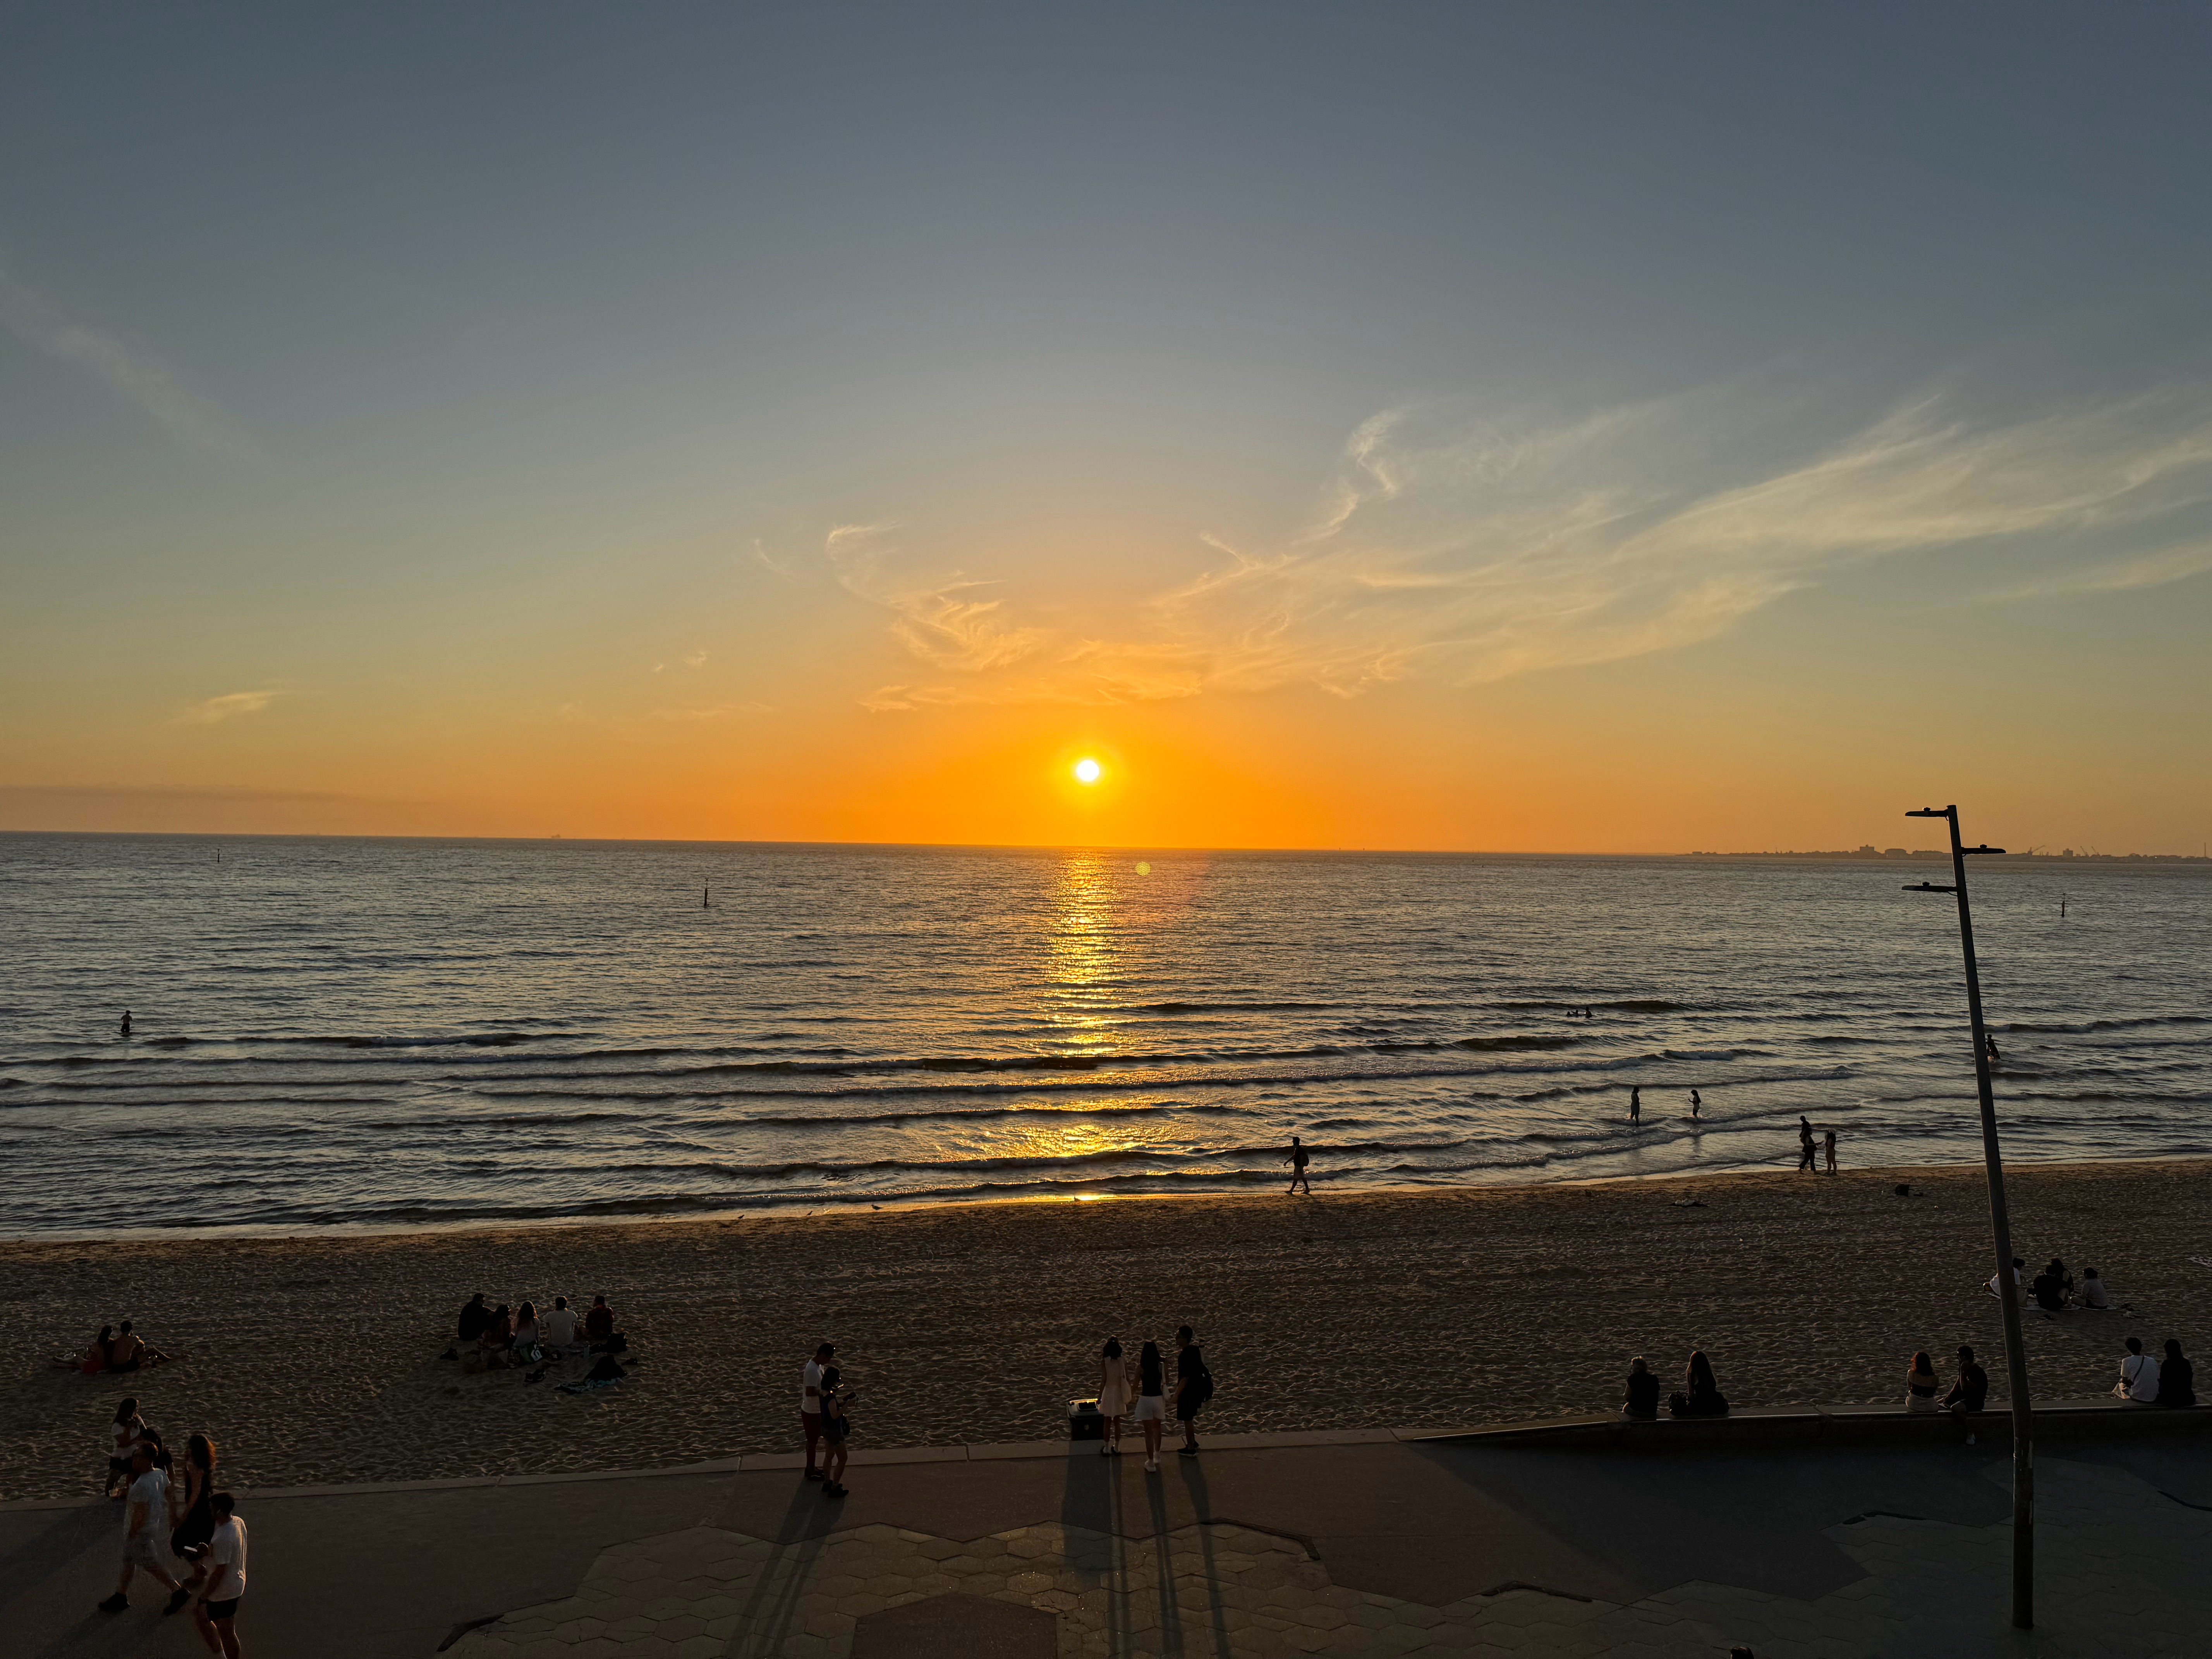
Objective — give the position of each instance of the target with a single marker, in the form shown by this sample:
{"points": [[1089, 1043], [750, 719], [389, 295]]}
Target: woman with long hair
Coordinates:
{"points": [[1112, 1394], [1920, 1385], [1702, 1395], [1151, 1403], [2177, 1377], [190, 1540]]}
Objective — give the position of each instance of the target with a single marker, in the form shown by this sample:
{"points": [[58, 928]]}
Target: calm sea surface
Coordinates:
{"points": [[352, 1034]]}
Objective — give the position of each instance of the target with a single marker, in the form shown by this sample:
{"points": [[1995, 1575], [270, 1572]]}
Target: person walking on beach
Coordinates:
{"points": [[1297, 1160], [1194, 1388], [1804, 1142], [810, 1403], [1828, 1142], [216, 1611], [1151, 1403], [1636, 1105], [1112, 1394], [145, 1523]]}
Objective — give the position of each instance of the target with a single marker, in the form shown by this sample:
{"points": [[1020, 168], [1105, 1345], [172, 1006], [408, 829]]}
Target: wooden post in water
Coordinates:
{"points": [[2023, 1416]]}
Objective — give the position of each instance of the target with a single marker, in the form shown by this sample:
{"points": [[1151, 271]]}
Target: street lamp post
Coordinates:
{"points": [[2023, 1419]]}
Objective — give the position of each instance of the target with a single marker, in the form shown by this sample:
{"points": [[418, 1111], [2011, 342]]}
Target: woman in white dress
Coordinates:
{"points": [[1113, 1393], [1151, 1403]]}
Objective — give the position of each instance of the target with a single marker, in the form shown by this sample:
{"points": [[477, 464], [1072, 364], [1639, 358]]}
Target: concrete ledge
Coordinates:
{"points": [[1840, 1424]]}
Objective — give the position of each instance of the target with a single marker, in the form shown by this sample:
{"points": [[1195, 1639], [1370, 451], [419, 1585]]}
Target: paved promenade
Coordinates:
{"points": [[1362, 1544]]}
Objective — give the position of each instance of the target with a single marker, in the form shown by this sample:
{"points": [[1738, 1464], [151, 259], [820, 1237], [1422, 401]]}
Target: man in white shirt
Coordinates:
{"points": [[145, 1525], [217, 1608], [2138, 1381], [559, 1325], [810, 1403]]}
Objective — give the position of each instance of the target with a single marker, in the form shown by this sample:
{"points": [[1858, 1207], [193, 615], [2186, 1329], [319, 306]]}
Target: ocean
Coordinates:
{"points": [[372, 1034]]}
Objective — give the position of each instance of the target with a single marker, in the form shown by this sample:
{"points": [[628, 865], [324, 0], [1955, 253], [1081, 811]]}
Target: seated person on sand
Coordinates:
{"points": [[557, 1325], [2138, 1383], [2048, 1292], [1972, 1391], [2177, 1377], [127, 1353], [475, 1320], [526, 1330], [2018, 1262], [1921, 1383], [91, 1361], [498, 1339], [1642, 1390], [1703, 1397], [2094, 1293], [599, 1323]]}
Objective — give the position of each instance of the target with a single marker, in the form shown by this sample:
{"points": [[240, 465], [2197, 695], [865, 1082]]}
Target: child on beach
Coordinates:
{"points": [[837, 1428]]}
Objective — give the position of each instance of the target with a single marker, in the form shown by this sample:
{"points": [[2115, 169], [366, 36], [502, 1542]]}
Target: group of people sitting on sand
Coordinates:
{"points": [[2054, 1289], [494, 1338], [181, 1518], [113, 1350]]}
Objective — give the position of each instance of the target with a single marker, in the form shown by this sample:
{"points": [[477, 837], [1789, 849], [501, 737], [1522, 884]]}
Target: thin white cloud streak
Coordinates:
{"points": [[2172, 564], [1475, 553], [935, 618], [186, 415], [229, 706]]}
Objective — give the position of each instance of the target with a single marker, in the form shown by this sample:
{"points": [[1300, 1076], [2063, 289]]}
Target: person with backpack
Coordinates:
{"points": [[1194, 1388]]}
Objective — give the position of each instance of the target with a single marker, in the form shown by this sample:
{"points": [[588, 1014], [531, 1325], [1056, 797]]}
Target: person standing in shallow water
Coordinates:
{"points": [[1297, 1160], [1804, 1142], [126, 1021], [1697, 1105], [1636, 1105]]}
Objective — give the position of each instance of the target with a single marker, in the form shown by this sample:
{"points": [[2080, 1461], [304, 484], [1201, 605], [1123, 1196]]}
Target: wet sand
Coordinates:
{"points": [[315, 1359]]}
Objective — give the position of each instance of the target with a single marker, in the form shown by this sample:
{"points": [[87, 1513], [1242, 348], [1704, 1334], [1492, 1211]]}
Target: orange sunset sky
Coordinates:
{"points": [[1376, 427]]}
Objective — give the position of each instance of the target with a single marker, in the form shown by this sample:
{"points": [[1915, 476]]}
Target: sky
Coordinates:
{"points": [[1580, 428]]}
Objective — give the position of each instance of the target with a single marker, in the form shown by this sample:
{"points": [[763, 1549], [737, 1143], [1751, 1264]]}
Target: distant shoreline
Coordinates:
{"points": [[2038, 861], [827, 1211]]}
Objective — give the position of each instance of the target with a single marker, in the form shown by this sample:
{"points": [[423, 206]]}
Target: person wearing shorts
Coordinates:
{"points": [[810, 1403], [1151, 1412], [216, 1610], [145, 1525]]}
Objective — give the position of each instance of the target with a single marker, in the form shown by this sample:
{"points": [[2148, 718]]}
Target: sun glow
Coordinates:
{"points": [[1088, 770]]}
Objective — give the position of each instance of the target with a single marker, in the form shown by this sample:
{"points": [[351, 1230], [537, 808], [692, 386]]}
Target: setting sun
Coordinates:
{"points": [[1088, 770]]}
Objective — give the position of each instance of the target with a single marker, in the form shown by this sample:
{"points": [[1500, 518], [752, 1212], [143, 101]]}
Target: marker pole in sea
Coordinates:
{"points": [[2023, 1417]]}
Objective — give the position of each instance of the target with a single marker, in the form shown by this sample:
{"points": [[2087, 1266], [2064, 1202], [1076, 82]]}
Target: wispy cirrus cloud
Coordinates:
{"points": [[1475, 551], [229, 706], [937, 618], [188, 417], [2171, 564]]}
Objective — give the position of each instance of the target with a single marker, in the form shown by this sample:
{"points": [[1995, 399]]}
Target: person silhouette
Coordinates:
{"points": [[1804, 1142], [1297, 1161], [1636, 1105], [1989, 1046], [1697, 1105], [126, 1021]]}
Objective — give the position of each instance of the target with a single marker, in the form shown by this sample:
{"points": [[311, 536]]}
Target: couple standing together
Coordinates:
{"points": [[1144, 1384]]}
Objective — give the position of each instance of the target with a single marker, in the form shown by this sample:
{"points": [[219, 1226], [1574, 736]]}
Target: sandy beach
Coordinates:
{"points": [[316, 1359]]}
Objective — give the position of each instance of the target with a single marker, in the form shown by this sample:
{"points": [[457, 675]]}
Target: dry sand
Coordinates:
{"points": [[315, 1359]]}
